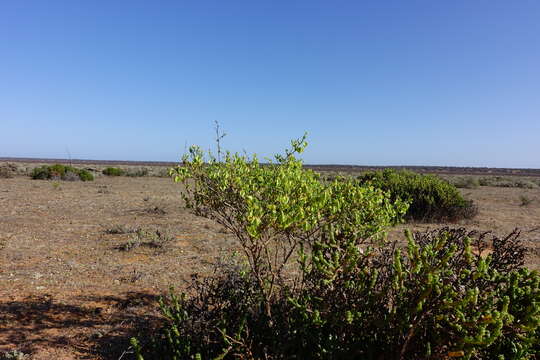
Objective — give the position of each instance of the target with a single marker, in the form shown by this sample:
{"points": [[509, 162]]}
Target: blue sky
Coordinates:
{"points": [[453, 83]]}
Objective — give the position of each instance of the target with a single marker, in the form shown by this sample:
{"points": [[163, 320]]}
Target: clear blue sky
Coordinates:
{"points": [[373, 82]]}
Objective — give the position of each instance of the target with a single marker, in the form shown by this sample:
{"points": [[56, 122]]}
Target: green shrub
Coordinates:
{"points": [[61, 172], [438, 298], [85, 175], [280, 206], [112, 171], [430, 198], [319, 282]]}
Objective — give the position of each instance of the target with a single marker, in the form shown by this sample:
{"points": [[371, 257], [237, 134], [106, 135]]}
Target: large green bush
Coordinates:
{"points": [[61, 172], [430, 198], [437, 299], [318, 281], [276, 209]]}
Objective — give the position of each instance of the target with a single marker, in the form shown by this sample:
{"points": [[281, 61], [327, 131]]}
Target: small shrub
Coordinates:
{"points": [[120, 229], [137, 172], [467, 182], [41, 173], [156, 210], [525, 184], [7, 170], [154, 238], [71, 176], [132, 243], [112, 171], [86, 175], [430, 198], [103, 189], [163, 172], [525, 201], [61, 172]]}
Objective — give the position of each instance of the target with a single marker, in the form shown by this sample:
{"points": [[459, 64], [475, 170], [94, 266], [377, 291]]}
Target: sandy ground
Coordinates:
{"points": [[69, 290]]}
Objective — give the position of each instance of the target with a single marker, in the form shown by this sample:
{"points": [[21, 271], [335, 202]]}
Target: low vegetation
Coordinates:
{"points": [[120, 229], [512, 182], [153, 238], [319, 280], [437, 299], [7, 170], [430, 197], [112, 171], [525, 200], [61, 172], [473, 182], [465, 182], [137, 172]]}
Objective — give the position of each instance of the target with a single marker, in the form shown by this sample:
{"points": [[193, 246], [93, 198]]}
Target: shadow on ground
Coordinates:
{"points": [[98, 328]]}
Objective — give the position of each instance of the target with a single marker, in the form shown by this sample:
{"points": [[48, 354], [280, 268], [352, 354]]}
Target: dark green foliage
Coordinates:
{"points": [[61, 172], [85, 175], [112, 171], [430, 198], [439, 296]]}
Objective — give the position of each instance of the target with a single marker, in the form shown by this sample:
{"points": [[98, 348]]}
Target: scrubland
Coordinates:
{"points": [[83, 263]]}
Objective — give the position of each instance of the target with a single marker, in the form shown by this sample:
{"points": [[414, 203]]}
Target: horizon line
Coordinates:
{"points": [[169, 163]]}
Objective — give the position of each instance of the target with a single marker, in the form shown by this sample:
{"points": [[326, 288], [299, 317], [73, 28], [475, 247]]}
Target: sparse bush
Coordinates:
{"points": [[133, 243], [112, 171], [7, 170], [120, 229], [430, 198], [467, 182], [154, 238], [61, 172], [103, 189], [137, 172], [163, 173], [71, 176], [156, 210], [511, 182], [525, 200]]}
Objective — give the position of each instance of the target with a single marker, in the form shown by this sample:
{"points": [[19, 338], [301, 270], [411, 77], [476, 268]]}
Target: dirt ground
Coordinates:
{"points": [[69, 289]]}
